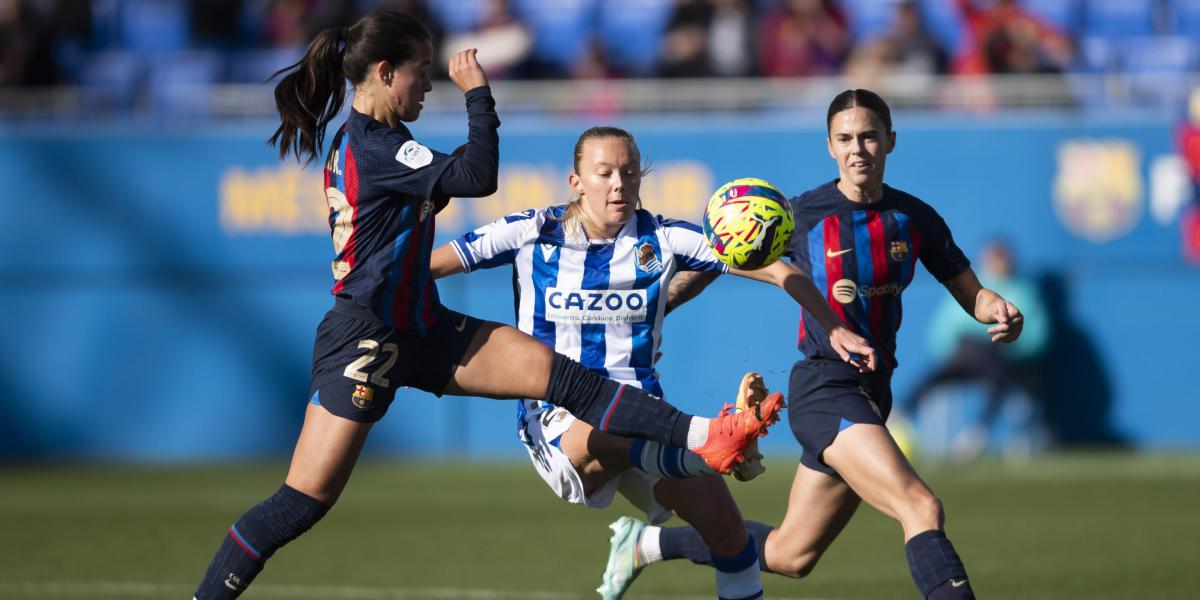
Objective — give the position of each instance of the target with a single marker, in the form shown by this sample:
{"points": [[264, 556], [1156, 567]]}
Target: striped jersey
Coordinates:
{"points": [[379, 183], [598, 302], [863, 256]]}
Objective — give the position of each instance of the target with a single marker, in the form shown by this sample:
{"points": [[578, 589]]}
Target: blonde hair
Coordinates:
{"points": [[574, 218]]}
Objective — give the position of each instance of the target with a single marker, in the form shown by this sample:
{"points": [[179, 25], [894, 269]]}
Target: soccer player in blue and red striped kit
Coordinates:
{"points": [[387, 327], [860, 240]]}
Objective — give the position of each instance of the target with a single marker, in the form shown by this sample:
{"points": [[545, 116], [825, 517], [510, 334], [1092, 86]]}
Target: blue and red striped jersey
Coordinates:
{"points": [[863, 256], [379, 182]]}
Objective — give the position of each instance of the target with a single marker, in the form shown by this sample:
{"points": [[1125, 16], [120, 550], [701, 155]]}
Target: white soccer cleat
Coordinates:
{"points": [[623, 565], [751, 392]]}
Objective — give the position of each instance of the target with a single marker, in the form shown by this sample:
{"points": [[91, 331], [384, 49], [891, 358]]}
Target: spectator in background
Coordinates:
{"points": [[907, 48], [1005, 38], [967, 355], [1188, 139], [26, 46], [803, 38], [501, 36], [709, 38]]}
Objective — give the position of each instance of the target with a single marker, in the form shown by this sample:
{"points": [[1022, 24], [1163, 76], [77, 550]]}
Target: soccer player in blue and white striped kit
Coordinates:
{"points": [[592, 280], [387, 327]]}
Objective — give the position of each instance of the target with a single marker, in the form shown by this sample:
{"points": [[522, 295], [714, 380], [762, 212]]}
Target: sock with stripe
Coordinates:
{"points": [[668, 462], [616, 408], [936, 568], [254, 538], [737, 576], [685, 542]]}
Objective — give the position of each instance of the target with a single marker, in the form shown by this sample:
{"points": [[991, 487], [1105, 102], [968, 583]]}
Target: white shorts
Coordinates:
{"points": [[541, 427]]}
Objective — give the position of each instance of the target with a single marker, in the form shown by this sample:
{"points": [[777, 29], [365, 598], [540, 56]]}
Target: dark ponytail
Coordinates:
{"points": [[313, 90]]}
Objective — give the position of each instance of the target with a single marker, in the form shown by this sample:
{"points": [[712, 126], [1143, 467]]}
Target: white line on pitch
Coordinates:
{"points": [[95, 589]]}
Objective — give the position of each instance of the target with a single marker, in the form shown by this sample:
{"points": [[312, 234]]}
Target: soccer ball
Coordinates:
{"points": [[748, 223]]}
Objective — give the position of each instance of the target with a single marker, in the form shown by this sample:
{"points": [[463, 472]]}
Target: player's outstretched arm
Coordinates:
{"points": [[444, 262], [800, 287], [686, 285], [986, 306]]}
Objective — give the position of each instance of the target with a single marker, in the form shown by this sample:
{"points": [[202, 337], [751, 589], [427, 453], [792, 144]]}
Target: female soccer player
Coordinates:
{"points": [[387, 327], [860, 239], [593, 279]]}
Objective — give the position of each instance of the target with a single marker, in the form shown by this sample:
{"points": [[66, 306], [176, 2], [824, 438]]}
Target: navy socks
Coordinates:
{"points": [[936, 568], [254, 538], [613, 407], [685, 542]]}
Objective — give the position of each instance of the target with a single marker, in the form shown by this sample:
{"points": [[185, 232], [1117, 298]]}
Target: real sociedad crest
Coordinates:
{"points": [[647, 262]]}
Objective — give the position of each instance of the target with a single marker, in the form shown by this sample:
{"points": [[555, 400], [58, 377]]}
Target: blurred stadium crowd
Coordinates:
{"points": [[132, 44]]}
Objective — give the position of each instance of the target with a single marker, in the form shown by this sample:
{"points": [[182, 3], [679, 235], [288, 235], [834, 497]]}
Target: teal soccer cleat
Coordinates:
{"points": [[623, 565]]}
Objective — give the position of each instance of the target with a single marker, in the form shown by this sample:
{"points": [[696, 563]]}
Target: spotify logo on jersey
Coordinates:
{"points": [[845, 291]]}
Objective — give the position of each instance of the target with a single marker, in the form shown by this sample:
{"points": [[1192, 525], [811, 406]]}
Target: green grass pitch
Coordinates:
{"points": [[1089, 526]]}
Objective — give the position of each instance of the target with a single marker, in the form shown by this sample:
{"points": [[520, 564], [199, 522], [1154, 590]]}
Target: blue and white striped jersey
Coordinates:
{"points": [[599, 302]]}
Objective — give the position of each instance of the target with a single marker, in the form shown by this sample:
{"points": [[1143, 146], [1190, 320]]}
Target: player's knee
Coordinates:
{"points": [[925, 508], [796, 566]]}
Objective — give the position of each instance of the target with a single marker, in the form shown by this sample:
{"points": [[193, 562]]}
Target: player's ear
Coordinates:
{"points": [[383, 70], [829, 147], [576, 184], [891, 141]]}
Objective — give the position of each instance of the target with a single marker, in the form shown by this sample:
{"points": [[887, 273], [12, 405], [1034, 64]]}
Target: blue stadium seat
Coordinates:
{"points": [[179, 82], [1159, 55], [944, 22], [1097, 55], [154, 25], [869, 18], [255, 66], [562, 29], [1185, 17], [632, 32], [111, 79], [1118, 18], [458, 15]]}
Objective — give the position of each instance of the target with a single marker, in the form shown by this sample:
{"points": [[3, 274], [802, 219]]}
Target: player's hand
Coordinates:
{"points": [[853, 349], [465, 71], [1009, 321]]}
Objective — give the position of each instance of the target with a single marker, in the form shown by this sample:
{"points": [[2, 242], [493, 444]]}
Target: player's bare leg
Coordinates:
{"points": [[867, 457], [325, 454], [871, 463], [819, 507]]}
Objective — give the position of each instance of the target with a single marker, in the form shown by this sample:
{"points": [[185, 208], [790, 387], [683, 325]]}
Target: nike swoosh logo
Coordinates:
{"points": [[831, 254], [461, 325], [958, 582]]}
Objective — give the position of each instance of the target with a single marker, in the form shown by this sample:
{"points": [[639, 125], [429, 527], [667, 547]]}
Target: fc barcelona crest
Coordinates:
{"points": [[898, 250], [363, 396]]}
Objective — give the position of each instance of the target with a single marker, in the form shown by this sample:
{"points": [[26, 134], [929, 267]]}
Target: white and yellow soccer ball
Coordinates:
{"points": [[748, 223]]}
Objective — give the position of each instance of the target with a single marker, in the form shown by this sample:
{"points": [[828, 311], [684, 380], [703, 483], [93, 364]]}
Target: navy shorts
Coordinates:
{"points": [[826, 396], [358, 362]]}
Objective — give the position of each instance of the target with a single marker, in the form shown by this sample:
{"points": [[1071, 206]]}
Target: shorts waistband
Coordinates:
{"points": [[350, 309]]}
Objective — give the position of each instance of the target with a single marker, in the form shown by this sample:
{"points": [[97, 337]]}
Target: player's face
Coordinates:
{"points": [[410, 81], [609, 183], [860, 143]]}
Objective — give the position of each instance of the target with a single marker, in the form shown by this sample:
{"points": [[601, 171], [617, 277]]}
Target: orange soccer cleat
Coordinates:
{"points": [[751, 393], [731, 434]]}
